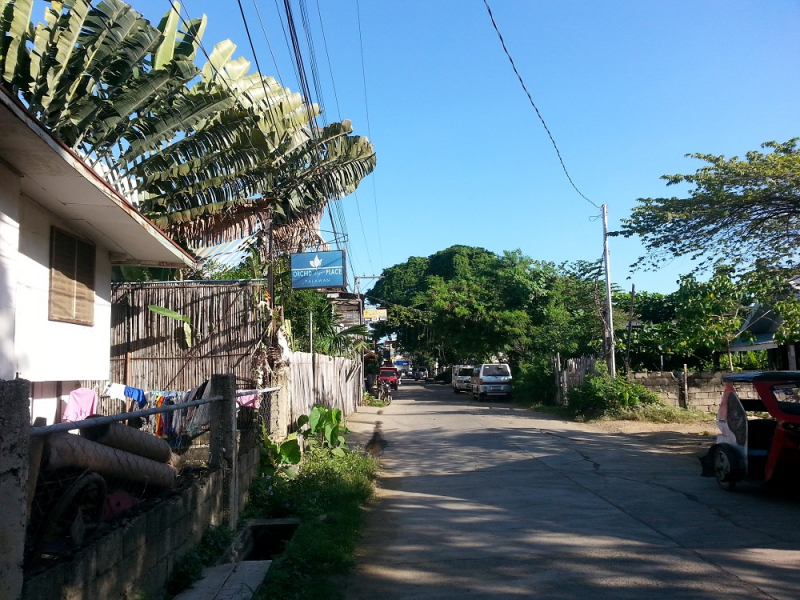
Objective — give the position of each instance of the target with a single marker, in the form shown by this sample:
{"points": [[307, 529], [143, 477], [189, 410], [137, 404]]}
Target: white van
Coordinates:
{"points": [[491, 380], [462, 375]]}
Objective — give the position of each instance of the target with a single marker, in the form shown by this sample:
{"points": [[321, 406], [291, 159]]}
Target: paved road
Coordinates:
{"points": [[484, 500]]}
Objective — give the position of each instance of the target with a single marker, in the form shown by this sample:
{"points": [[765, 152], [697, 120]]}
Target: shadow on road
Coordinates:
{"points": [[490, 500]]}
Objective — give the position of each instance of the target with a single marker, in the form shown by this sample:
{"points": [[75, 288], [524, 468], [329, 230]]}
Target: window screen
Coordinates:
{"points": [[72, 263]]}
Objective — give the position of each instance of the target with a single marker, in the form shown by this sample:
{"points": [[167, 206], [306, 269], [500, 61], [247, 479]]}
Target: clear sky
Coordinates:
{"points": [[627, 88]]}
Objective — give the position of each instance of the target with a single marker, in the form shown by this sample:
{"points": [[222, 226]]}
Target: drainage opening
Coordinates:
{"points": [[269, 540]]}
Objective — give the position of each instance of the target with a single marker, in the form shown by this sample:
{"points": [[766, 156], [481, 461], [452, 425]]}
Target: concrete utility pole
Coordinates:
{"points": [[612, 363]]}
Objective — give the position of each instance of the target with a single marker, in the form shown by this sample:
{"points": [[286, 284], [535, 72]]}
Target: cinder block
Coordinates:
{"points": [[108, 550], [189, 499], [45, 585], [134, 536], [75, 591], [156, 521], [149, 555], [163, 544], [175, 510], [82, 568], [152, 581], [181, 530], [110, 583]]}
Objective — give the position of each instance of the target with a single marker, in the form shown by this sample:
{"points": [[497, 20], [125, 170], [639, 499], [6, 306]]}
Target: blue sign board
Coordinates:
{"points": [[319, 270]]}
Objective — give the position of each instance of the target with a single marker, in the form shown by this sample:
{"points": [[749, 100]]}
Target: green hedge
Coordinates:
{"points": [[603, 396]]}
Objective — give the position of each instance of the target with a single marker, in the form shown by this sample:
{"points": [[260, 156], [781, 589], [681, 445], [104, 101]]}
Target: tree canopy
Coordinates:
{"points": [[468, 303], [739, 212]]}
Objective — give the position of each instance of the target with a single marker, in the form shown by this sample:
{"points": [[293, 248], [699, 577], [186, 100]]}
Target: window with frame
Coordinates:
{"points": [[72, 265]]}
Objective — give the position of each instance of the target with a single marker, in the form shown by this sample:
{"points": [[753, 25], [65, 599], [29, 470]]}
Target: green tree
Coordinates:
{"points": [[468, 303], [738, 212], [697, 323]]}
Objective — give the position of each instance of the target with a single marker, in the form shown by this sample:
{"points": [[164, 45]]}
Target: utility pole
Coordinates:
{"points": [[361, 321], [612, 364], [311, 351], [630, 329]]}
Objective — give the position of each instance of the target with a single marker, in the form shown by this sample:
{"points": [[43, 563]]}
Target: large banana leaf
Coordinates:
{"points": [[212, 152]]}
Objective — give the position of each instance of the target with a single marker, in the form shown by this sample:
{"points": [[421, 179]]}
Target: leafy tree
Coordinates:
{"points": [[739, 212], [697, 323], [459, 303], [468, 303]]}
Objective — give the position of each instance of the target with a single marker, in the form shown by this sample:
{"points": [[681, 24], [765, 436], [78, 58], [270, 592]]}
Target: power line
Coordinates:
{"points": [[369, 129], [269, 45], [258, 67], [339, 115], [513, 66]]}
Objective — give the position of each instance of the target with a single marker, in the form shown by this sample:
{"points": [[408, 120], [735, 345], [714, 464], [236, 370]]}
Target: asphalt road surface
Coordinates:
{"points": [[485, 500]]}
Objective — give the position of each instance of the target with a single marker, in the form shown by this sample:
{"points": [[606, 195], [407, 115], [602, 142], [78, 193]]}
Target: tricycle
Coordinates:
{"points": [[765, 445]]}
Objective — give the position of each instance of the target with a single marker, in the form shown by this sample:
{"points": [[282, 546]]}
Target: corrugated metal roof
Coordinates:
{"points": [[227, 254]]}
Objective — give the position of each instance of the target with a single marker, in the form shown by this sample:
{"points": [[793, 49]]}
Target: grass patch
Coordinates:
{"points": [[663, 413], [564, 412], [369, 400], [327, 494], [650, 413]]}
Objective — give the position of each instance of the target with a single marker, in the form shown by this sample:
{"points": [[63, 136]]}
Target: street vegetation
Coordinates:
{"points": [[326, 486]]}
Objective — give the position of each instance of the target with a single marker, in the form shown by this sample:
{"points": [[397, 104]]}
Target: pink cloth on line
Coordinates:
{"points": [[251, 400], [82, 403]]}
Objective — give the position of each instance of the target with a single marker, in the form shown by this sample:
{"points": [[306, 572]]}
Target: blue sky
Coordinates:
{"points": [[626, 87]]}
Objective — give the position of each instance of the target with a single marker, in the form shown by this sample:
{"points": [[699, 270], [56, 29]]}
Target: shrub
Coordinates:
{"points": [[602, 396], [326, 493], [533, 382]]}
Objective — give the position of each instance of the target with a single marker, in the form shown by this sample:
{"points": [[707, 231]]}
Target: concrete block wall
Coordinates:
{"points": [[249, 468], [665, 384], [704, 388], [138, 556]]}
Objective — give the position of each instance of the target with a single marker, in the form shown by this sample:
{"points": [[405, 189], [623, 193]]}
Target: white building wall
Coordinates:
{"points": [[49, 350], [9, 242]]}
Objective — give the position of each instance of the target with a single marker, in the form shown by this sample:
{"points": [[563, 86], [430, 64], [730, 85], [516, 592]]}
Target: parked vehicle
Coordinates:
{"points": [[384, 392], [491, 380], [421, 373], [390, 375], [462, 376], [759, 448]]}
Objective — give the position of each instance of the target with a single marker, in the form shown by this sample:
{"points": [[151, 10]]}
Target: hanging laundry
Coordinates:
{"points": [[115, 391], [251, 399], [136, 395], [82, 403]]}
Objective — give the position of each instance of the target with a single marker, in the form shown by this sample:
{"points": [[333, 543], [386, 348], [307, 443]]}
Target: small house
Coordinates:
{"points": [[62, 227]]}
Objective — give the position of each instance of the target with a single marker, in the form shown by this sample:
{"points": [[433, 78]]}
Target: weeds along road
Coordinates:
{"points": [[485, 500]]}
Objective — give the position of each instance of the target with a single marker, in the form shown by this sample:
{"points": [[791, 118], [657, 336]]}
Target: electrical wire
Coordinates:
{"points": [[538, 114], [369, 128], [339, 115], [331, 197], [266, 37], [258, 67]]}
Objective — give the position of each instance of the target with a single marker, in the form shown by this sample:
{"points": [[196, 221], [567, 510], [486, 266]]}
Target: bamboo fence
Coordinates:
{"points": [[571, 374], [228, 319], [330, 380]]}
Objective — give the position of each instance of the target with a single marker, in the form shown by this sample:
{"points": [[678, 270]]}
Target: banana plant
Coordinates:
{"points": [[207, 152]]}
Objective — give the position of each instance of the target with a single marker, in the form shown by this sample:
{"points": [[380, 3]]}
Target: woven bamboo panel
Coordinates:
{"points": [[228, 320]]}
